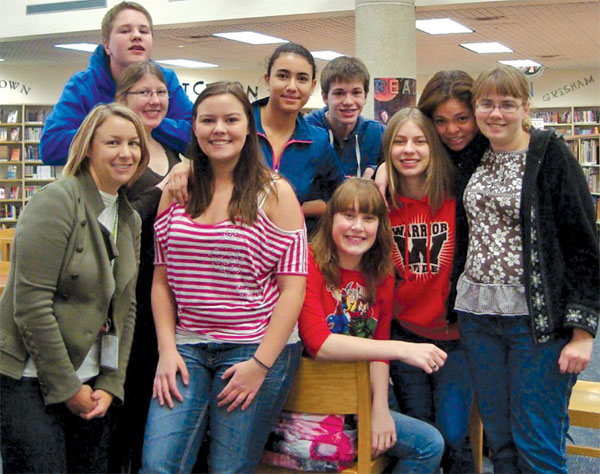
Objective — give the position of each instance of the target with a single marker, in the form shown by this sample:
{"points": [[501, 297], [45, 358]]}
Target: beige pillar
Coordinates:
{"points": [[386, 41]]}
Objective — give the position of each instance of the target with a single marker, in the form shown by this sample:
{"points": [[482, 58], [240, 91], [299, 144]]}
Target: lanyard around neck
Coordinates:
{"points": [[115, 228]]}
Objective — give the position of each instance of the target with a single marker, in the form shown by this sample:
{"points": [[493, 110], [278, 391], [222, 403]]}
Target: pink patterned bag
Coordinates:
{"points": [[309, 441]]}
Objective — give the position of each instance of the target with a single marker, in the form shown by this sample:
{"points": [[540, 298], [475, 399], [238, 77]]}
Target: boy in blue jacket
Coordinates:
{"points": [[356, 140], [126, 38]]}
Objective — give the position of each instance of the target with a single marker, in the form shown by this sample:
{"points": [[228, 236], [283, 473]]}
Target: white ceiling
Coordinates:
{"points": [[560, 35]]}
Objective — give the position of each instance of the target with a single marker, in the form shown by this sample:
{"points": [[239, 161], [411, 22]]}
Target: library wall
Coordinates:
{"points": [[25, 84], [577, 88]]}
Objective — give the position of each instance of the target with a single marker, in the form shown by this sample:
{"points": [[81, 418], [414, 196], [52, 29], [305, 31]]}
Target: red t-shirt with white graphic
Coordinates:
{"points": [[343, 310]]}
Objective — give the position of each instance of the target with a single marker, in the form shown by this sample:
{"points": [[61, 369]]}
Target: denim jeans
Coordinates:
{"points": [[442, 398], [40, 438], [237, 439], [523, 398], [419, 448]]}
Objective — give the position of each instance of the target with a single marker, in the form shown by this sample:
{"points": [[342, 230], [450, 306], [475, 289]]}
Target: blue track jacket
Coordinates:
{"points": [[308, 160]]}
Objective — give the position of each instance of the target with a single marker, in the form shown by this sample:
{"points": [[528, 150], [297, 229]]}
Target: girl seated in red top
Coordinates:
{"points": [[347, 312]]}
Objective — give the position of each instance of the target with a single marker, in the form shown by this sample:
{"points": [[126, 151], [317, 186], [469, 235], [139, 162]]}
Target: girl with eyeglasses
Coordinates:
{"points": [[142, 87], [528, 289]]}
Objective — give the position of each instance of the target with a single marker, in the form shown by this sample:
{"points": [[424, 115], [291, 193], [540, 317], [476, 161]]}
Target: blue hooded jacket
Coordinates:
{"points": [[367, 134], [94, 86], [307, 161]]}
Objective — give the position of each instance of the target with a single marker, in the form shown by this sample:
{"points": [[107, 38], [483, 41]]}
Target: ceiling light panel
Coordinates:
{"points": [[486, 48], [186, 63], [326, 55], [250, 37], [441, 26], [521, 63], [87, 47]]}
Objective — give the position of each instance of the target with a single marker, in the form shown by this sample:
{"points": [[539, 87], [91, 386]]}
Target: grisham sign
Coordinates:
{"points": [[568, 88]]}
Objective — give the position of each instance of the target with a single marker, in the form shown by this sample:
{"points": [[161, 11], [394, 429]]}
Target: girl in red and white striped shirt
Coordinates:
{"points": [[229, 282]]}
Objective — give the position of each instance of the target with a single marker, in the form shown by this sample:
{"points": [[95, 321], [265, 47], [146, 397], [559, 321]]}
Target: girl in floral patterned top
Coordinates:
{"points": [[528, 297]]}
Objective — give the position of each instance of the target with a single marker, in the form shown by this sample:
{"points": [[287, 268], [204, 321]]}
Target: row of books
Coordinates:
{"points": [[588, 152], [31, 190], [9, 211], [9, 115], [36, 115], [592, 175], [13, 153], [558, 116], [597, 204], [32, 153], [40, 172], [592, 116], [33, 134], [10, 135], [554, 116], [12, 172], [587, 130], [11, 192]]}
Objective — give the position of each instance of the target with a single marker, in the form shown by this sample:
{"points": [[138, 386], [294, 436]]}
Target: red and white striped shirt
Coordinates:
{"points": [[223, 275]]}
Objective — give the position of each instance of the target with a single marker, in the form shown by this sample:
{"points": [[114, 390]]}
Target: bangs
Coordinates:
{"points": [[504, 81], [361, 192]]}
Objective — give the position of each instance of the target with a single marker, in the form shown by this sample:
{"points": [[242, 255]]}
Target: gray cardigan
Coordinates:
{"points": [[61, 285]]}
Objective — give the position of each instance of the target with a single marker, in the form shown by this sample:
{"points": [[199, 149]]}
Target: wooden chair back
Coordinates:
{"points": [[4, 269], [584, 410], [336, 388], [476, 437], [6, 237]]}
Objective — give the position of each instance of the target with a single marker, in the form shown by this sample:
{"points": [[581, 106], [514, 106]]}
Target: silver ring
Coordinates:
{"points": [[434, 366]]}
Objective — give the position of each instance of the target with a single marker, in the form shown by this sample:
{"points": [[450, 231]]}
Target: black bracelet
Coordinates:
{"points": [[260, 363]]}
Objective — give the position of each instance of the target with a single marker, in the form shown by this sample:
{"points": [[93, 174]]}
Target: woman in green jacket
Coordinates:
{"points": [[68, 311]]}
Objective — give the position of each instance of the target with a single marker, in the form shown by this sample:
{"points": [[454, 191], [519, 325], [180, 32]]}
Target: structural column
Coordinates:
{"points": [[386, 42]]}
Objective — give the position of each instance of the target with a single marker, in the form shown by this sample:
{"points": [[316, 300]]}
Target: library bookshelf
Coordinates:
{"points": [[580, 127], [570, 120], [22, 172], [586, 149]]}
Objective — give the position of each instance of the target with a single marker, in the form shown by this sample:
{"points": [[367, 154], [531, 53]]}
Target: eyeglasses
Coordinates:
{"points": [[147, 93], [487, 106]]}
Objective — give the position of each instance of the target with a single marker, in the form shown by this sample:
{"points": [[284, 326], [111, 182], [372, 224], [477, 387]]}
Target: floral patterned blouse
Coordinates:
{"points": [[493, 279]]}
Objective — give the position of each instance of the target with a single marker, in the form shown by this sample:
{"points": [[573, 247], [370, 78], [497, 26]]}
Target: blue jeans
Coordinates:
{"points": [[523, 398], [47, 438], [237, 439], [419, 448], [442, 398]]}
